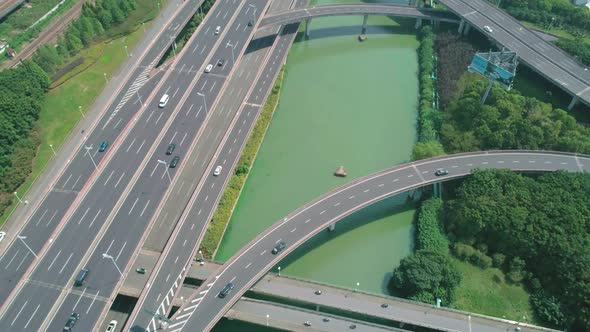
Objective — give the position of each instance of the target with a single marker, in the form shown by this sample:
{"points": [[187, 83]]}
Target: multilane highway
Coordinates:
{"points": [[104, 204], [47, 217], [204, 308], [163, 285]]}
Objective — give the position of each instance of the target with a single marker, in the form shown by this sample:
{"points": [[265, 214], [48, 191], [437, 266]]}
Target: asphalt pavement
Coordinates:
{"points": [[204, 308], [52, 276], [68, 180]]}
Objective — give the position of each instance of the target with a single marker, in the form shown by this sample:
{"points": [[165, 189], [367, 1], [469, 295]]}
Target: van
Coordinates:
{"points": [[164, 100], [81, 277]]}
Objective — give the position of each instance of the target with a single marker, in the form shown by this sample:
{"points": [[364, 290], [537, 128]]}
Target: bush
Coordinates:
{"points": [[426, 113], [498, 260], [428, 149], [548, 309], [426, 276], [429, 230], [467, 253]]}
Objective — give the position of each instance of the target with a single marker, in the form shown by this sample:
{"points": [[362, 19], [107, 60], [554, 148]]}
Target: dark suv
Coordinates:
{"points": [[226, 290], [71, 322], [174, 161], [278, 248], [170, 149]]}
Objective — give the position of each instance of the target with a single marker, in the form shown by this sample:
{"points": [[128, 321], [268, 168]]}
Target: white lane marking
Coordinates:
{"points": [[41, 218], [184, 243], [395, 180], [21, 310], [91, 303], [78, 179], [22, 261], [121, 177], [500, 161], [232, 279], [68, 180], [66, 263], [176, 260], [189, 109], [515, 161], [531, 161], [183, 138], [308, 220], [411, 175], [107, 181], [79, 298], [130, 145], [158, 120], [454, 166], [93, 219], [204, 292], [247, 266], [185, 315], [132, 207], [547, 162], [33, 315], [425, 172], [13, 257], [84, 215], [564, 163], [484, 163], [336, 204], [366, 191], [351, 197], [262, 253], [50, 219], [120, 251], [53, 261], [110, 245], [141, 146], [293, 230], [322, 212], [470, 164], [145, 207], [279, 240], [381, 185]]}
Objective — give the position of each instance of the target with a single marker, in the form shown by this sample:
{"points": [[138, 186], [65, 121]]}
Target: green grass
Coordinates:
{"points": [[228, 201], [479, 292], [59, 114], [556, 31]]}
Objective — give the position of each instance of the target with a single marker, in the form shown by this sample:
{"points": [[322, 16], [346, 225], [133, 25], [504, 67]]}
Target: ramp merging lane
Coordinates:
{"points": [[544, 57], [205, 308], [50, 280], [44, 222]]}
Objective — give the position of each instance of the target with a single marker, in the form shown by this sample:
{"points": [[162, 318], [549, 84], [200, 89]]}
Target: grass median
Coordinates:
{"points": [[230, 197], [80, 87]]}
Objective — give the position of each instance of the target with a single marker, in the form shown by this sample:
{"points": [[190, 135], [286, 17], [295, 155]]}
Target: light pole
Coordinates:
{"points": [[279, 271], [107, 256], [52, 150], [201, 259], [267, 317], [551, 24], [16, 194], [166, 168], [22, 238], [80, 108], [126, 52], [357, 286], [158, 5], [204, 101], [173, 45], [232, 52], [88, 148], [105, 78]]}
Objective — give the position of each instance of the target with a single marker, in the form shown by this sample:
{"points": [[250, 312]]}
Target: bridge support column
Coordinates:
{"points": [[487, 92], [436, 24], [420, 3], [332, 227], [307, 23], [364, 24], [461, 25], [437, 189], [418, 24], [573, 103], [466, 29]]}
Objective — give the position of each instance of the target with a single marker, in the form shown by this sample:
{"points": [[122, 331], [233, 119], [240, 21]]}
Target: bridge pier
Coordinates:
{"points": [[572, 103], [307, 23], [365, 17], [332, 227], [461, 25], [466, 29], [418, 24], [437, 189]]}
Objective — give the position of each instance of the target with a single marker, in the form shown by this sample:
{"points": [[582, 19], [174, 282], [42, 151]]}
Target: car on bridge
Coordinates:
{"points": [[217, 170], [103, 146], [441, 172], [278, 248], [71, 322], [226, 290], [488, 29]]}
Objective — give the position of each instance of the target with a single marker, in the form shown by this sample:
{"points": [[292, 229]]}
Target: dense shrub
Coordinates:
{"points": [[548, 309], [576, 47], [426, 113], [426, 276], [498, 260], [429, 232], [467, 253]]}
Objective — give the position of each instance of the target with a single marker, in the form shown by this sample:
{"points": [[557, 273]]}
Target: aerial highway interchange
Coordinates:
{"points": [[99, 209]]}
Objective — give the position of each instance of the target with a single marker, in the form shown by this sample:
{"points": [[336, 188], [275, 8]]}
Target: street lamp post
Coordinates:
{"points": [[357, 286], [16, 194], [204, 101], [173, 45], [52, 150], [105, 78], [267, 317], [107, 256], [22, 238], [279, 271], [126, 51], [88, 148], [232, 52], [165, 168], [80, 110]]}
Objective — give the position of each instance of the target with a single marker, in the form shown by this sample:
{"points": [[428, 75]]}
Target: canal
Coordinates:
{"points": [[346, 103]]}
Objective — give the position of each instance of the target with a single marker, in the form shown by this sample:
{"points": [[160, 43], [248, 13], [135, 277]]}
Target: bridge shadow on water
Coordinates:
{"points": [[377, 211]]}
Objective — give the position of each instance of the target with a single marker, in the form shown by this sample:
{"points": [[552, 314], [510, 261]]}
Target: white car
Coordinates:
{"points": [[217, 170], [208, 68], [2, 235], [217, 30], [488, 29], [112, 326]]}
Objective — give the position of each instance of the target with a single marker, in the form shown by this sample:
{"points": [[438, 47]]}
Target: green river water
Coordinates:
{"points": [[346, 103]]}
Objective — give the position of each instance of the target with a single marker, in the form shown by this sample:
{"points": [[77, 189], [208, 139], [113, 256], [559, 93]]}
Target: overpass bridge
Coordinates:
{"points": [[7, 6], [253, 261]]}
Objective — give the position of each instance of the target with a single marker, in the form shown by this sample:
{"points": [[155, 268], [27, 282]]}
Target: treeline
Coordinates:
{"points": [[429, 274], [536, 230], [562, 13], [428, 116], [93, 22], [509, 120], [23, 91], [578, 48]]}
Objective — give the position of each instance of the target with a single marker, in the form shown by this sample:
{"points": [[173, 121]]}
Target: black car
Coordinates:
{"points": [[441, 172], [174, 161], [103, 146], [250, 23], [170, 149], [221, 62], [226, 290], [71, 322], [278, 248]]}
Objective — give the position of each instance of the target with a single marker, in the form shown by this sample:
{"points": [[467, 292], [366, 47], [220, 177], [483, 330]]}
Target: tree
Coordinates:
{"points": [[426, 276], [428, 149]]}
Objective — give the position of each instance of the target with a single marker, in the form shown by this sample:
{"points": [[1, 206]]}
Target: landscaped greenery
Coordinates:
{"points": [[542, 227], [59, 107], [429, 229], [231, 194]]}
